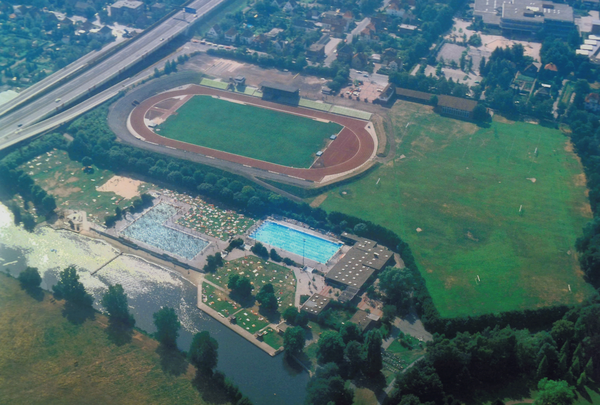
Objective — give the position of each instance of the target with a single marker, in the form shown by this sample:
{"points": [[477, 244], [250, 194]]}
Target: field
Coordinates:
{"points": [[74, 189], [254, 132], [44, 359], [491, 214]]}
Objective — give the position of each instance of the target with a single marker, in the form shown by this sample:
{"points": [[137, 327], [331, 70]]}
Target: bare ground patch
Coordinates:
{"points": [[122, 186], [319, 200], [64, 192], [580, 180]]}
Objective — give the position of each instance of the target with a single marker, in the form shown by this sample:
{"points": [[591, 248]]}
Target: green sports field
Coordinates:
{"points": [[479, 202], [249, 131]]}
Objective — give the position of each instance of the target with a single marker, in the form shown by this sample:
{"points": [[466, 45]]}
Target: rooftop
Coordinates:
{"points": [[280, 86], [522, 10], [133, 4], [316, 304], [363, 319]]}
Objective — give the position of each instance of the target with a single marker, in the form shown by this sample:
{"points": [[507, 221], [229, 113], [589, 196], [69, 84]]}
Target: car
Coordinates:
{"points": [[57, 100], [379, 90], [355, 94], [221, 47], [162, 39], [19, 126], [365, 75], [348, 93]]}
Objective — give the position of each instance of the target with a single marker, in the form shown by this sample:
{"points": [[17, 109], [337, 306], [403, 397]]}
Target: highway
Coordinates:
{"points": [[14, 126]]}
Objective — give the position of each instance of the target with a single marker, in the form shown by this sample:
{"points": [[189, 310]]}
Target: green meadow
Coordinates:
{"points": [[491, 214]]}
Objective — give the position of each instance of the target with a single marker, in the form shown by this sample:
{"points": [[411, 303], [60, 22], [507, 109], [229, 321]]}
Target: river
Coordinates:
{"points": [[264, 379]]}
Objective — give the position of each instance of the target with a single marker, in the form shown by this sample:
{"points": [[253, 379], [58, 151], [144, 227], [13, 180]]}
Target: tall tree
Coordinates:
{"points": [[167, 326], [266, 298], [330, 348], [293, 340], [554, 393], [374, 360], [115, 302], [204, 352], [327, 387], [70, 289], [30, 278]]}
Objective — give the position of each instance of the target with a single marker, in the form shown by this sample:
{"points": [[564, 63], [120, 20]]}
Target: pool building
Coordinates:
{"points": [[364, 258]]}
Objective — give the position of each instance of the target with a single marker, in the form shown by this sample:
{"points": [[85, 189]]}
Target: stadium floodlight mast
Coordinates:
{"points": [[303, 246]]}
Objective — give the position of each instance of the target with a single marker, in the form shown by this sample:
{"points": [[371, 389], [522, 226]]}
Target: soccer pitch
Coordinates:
{"points": [[491, 214], [250, 131]]}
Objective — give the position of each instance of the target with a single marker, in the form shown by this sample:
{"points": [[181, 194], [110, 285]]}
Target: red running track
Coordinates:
{"points": [[352, 148]]}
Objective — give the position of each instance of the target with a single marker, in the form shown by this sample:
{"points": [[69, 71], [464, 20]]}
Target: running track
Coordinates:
{"points": [[353, 147]]}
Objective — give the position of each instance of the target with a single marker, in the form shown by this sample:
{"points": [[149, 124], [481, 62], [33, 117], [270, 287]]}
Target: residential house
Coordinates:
{"points": [[592, 102], [231, 35], [273, 33], [105, 32], [368, 34], [532, 69], [133, 8], [214, 32], [279, 46], [394, 64], [394, 10], [335, 22], [345, 54], [247, 37], [359, 61], [289, 6]]}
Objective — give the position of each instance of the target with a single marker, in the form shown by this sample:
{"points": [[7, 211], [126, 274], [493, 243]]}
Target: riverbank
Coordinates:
{"points": [[236, 328]]}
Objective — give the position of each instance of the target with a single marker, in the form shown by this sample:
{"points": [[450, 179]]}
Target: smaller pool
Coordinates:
{"points": [[297, 242]]}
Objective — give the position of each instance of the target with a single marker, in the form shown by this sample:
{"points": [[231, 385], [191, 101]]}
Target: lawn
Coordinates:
{"points": [[260, 273], [44, 359], [72, 188], [249, 131], [491, 214]]}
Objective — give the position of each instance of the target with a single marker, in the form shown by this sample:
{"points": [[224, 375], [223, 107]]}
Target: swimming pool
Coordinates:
{"points": [[150, 229], [295, 241]]}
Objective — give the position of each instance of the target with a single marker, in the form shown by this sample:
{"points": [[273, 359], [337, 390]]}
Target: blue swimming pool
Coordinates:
{"points": [[295, 241]]}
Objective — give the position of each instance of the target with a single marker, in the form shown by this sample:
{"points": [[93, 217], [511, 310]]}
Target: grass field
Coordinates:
{"points": [[74, 189], [44, 359], [465, 200], [249, 131]]}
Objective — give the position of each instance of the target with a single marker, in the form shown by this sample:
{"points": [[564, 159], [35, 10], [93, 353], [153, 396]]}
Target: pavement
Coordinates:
{"points": [[331, 51], [359, 27]]}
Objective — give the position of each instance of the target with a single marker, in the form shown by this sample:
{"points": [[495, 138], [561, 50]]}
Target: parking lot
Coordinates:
{"points": [[364, 86]]}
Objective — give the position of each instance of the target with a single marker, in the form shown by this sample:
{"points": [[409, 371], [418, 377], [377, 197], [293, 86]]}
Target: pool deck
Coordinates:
{"points": [[236, 328]]}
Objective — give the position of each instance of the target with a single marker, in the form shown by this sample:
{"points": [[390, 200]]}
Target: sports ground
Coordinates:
{"points": [[249, 131], [352, 150], [491, 214]]}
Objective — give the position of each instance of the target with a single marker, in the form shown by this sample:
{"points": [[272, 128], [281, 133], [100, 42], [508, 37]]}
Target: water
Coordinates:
{"points": [[150, 229], [295, 241], [266, 380]]}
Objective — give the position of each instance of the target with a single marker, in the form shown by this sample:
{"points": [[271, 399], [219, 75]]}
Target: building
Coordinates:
{"points": [[132, 7], [247, 37], [364, 258], [364, 320], [526, 17], [315, 305], [231, 35], [387, 93], [592, 102], [317, 50], [280, 92], [447, 105], [335, 22], [214, 32]]}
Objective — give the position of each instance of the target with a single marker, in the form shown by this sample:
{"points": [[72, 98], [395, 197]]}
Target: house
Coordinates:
{"points": [[592, 102], [375, 58], [289, 6], [360, 61], [247, 37], [394, 10], [315, 305], [132, 7], [551, 67], [345, 54], [407, 29], [273, 33], [104, 33], [214, 32], [365, 320], [531, 69], [316, 51], [279, 46], [394, 64], [231, 35], [335, 22]]}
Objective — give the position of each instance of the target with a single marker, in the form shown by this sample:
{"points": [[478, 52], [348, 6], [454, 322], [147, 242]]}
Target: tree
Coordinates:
{"points": [[480, 113], [555, 393], [213, 262], [70, 289], [115, 302], [433, 100], [86, 161], [356, 356], [260, 250], [167, 326], [275, 256], [350, 331], [204, 352], [240, 286], [330, 348], [290, 314], [327, 387], [266, 298], [30, 278], [374, 360], [396, 284], [293, 340]]}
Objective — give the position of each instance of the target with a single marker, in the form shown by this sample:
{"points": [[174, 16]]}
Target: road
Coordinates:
{"points": [[359, 27], [331, 51], [14, 126]]}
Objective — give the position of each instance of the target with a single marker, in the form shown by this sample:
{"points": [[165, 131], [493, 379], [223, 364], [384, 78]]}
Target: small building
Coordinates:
{"points": [[360, 61], [447, 105], [280, 92], [239, 80], [282, 327], [365, 320], [387, 94], [231, 35], [592, 102], [315, 305], [596, 27], [247, 37], [132, 7], [394, 10], [407, 29], [214, 32]]}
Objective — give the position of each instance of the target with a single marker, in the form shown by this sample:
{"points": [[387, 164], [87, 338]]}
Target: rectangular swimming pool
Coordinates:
{"points": [[295, 241], [150, 229]]}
